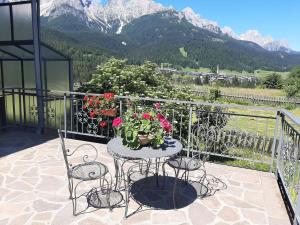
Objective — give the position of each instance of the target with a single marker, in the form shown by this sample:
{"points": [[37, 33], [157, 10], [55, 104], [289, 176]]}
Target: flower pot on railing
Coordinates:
{"points": [[109, 112], [144, 139]]}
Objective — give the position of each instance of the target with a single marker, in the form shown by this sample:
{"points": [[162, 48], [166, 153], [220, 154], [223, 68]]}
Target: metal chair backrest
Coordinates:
{"points": [[84, 157], [64, 150], [200, 142]]}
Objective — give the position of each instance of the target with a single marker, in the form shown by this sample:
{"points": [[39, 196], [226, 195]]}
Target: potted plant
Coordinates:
{"points": [[109, 105], [100, 105], [142, 128]]}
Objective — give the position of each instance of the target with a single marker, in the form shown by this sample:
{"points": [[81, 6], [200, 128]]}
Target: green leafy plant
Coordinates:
{"points": [[136, 124], [134, 80]]}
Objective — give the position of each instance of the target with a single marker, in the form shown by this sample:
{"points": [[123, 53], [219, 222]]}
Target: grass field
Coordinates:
{"points": [[200, 69], [183, 52], [256, 73], [250, 91]]}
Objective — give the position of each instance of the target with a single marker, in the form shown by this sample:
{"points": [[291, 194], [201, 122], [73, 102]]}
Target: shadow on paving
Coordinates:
{"points": [[147, 193], [13, 140]]}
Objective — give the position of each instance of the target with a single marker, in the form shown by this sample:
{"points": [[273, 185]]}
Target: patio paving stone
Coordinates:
{"points": [[229, 214], [34, 191]]}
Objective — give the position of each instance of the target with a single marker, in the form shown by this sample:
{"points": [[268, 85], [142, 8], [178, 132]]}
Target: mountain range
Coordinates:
{"points": [[142, 30], [116, 14]]}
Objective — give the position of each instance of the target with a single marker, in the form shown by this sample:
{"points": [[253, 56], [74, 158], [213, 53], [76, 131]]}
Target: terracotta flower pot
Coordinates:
{"points": [[109, 112], [144, 139]]}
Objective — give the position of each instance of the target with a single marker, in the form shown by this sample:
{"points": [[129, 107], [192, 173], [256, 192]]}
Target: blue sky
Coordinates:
{"points": [[278, 18]]}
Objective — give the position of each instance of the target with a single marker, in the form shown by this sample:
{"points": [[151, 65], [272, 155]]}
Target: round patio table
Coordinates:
{"points": [[170, 147], [116, 148]]}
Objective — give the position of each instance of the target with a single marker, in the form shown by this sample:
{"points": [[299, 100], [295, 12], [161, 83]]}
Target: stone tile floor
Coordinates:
{"points": [[33, 191]]}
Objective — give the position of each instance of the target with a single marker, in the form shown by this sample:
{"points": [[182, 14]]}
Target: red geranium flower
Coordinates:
{"points": [[84, 107], [92, 114], [91, 102], [117, 122], [109, 96], [86, 98], [102, 124], [98, 102]]}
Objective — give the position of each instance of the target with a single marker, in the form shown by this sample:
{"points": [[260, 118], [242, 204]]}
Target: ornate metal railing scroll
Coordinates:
{"points": [[288, 164], [219, 132]]}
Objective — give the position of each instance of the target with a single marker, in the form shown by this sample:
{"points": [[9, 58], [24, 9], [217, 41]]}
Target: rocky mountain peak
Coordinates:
{"points": [[115, 14], [198, 21]]}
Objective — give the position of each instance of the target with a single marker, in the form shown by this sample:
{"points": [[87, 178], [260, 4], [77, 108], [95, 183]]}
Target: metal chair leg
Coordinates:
{"points": [[202, 183], [174, 188], [164, 174], [70, 184], [117, 173], [126, 198], [157, 162]]}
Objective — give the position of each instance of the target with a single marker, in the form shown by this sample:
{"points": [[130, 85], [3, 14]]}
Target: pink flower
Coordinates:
{"points": [[146, 116], [117, 122], [86, 98], [134, 115], [84, 107], [157, 105], [160, 117], [166, 125], [91, 102]]}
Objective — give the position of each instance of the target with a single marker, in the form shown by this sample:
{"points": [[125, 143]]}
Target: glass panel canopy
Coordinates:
{"points": [[29, 75], [16, 45], [27, 52], [22, 22], [48, 53], [5, 56], [57, 73], [12, 74], [5, 34], [18, 52]]}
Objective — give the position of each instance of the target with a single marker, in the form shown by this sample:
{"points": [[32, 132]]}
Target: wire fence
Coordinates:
{"points": [[256, 99]]}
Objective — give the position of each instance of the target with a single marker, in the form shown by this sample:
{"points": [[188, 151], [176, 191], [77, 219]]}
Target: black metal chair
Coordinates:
{"points": [[190, 162], [88, 170]]}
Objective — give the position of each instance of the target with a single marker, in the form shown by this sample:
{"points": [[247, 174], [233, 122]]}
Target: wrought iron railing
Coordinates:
{"points": [[231, 131], [288, 164], [19, 108], [228, 131], [252, 134]]}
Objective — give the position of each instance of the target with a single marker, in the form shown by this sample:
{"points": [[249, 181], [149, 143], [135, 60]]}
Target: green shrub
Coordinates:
{"points": [[292, 84], [144, 80], [273, 81], [289, 106], [214, 94]]}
